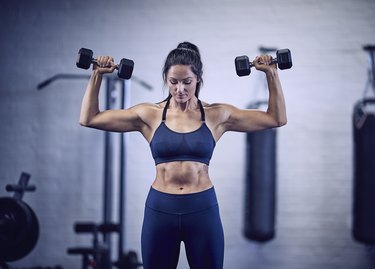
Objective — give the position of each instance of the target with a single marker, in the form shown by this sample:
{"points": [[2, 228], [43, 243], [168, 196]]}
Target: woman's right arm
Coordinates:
{"points": [[109, 120]]}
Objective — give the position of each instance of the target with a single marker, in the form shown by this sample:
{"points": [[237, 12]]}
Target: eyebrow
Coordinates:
{"points": [[181, 79]]}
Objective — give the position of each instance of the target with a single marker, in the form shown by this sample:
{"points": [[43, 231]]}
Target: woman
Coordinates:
{"points": [[182, 132]]}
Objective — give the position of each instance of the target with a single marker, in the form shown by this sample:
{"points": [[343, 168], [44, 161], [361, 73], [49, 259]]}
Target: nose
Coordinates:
{"points": [[180, 87]]}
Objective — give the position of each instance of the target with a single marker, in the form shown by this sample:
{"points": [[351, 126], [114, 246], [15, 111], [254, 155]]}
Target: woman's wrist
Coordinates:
{"points": [[96, 73], [271, 72]]}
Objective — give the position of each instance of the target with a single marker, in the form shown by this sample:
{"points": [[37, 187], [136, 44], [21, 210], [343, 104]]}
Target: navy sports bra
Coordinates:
{"points": [[168, 145]]}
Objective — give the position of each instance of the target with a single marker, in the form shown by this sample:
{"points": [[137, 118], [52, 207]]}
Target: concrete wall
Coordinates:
{"points": [[40, 133]]}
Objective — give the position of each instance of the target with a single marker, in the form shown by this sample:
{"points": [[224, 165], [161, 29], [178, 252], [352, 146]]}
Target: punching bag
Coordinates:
{"points": [[363, 226], [260, 185]]}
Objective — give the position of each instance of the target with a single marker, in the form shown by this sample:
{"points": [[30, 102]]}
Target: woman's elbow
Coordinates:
{"points": [[281, 122], [84, 122], [278, 122]]}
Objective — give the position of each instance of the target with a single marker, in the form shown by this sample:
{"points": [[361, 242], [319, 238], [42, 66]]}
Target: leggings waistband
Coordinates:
{"points": [[181, 203]]}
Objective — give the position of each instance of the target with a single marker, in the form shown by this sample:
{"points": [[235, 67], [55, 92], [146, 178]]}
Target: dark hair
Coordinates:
{"points": [[186, 53]]}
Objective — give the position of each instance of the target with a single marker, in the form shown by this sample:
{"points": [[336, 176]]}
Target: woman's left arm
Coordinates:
{"points": [[246, 120]]}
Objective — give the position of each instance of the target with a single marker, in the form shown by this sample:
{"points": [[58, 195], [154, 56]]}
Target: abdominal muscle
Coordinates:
{"points": [[182, 177]]}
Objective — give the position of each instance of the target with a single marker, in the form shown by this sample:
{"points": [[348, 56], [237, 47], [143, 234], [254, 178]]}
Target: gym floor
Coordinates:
{"points": [[40, 133]]}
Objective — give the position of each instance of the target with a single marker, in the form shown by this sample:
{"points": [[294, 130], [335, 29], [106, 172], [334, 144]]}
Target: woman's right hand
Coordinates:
{"points": [[104, 64]]}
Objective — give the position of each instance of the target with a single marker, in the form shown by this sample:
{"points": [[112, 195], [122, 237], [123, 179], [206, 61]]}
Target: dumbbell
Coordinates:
{"points": [[85, 59], [283, 60]]}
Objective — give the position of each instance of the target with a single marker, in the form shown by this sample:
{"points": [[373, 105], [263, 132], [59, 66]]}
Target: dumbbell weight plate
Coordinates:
{"points": [[125, 68], [19, 229], [242, 65], [284, 59], [84, 59]]}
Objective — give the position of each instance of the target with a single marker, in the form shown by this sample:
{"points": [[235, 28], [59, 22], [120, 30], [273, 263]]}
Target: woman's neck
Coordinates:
{"points": [[189, 105]]}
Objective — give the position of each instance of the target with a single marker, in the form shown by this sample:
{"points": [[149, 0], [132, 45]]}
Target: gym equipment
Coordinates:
{"points": [[260, 185], [85, 59], [19, 226], [98, 256], [283, 60], [128, 261], [364, 161], [112, 141], [260, 176]]}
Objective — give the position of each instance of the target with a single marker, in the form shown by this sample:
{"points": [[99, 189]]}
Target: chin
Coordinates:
{"points": [[181, 99]]}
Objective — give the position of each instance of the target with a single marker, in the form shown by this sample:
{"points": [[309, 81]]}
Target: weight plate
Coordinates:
{"points": [[19, 229]]}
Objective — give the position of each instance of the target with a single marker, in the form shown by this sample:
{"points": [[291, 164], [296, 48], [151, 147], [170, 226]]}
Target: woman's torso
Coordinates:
{"points": [[185, 175]]}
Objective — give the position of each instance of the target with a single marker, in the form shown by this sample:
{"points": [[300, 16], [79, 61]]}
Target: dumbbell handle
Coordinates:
{"points": [[94, 61], [273, 61]]}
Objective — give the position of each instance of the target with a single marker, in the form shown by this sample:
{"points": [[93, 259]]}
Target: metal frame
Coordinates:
{"points": [[109, 157]]}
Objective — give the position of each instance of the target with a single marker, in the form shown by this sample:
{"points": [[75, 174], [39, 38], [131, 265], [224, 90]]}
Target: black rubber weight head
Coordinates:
{"points": [[84, 58], [125, 68], [242, 65], [284, 59]]}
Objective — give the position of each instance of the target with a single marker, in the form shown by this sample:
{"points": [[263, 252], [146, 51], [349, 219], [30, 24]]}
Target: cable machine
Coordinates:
{"points": [[117, 96]]}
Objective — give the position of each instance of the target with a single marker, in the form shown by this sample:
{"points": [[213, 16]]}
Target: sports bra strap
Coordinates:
{"points": [[203, 116], [165, 108]]}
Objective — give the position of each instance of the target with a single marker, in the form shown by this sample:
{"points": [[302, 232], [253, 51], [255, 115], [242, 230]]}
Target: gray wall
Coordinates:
{"points": [[40, 133]]}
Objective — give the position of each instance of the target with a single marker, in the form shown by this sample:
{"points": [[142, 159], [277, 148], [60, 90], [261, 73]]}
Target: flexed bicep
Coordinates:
{"points": [[247, 120], [125, 120]]}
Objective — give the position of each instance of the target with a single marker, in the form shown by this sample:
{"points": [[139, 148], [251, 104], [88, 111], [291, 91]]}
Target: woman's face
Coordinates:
{"points": [[182, 82]]}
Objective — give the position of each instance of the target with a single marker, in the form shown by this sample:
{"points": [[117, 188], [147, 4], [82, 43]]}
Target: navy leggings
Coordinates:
{"points": [[191, 218]]}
